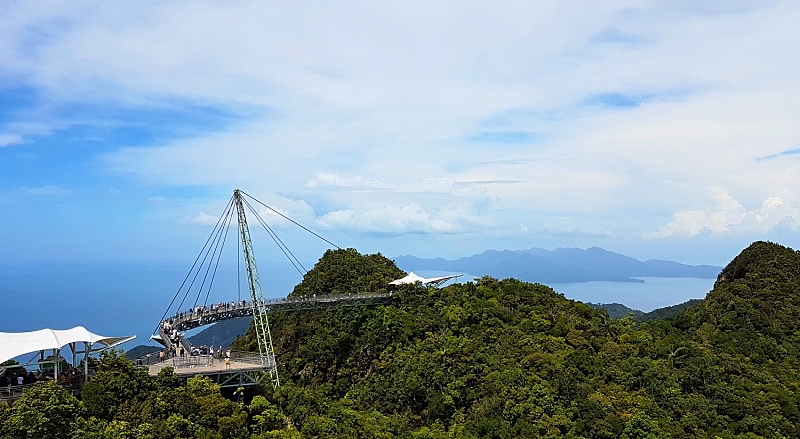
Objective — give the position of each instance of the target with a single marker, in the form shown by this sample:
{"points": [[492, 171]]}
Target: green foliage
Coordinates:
{"points": [[485, 359], [668, 311], [503, 358], [117, 379], [167, 379], [347, 271], [266, 416], [44, 411]]}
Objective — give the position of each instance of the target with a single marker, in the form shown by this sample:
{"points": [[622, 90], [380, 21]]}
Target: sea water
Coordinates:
{"points": [[117, 300], [653, 293]]}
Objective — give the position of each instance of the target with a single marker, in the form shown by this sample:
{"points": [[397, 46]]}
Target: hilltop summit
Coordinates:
{"points": [[759, 261], [754, 308]]}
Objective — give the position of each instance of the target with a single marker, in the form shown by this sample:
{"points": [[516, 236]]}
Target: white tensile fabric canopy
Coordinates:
{"points": [[14, 344], [412, 278]]}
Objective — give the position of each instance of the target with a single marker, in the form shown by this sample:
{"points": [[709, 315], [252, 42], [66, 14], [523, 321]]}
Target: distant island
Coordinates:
{"points": [[562, 265], [619, 311]]}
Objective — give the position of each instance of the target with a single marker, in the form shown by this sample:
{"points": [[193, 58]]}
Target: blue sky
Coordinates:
{"points": [[654, 129]]}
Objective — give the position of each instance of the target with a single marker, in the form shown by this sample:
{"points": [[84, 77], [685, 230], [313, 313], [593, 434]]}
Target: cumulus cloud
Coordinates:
{"points": [[728, 216]]}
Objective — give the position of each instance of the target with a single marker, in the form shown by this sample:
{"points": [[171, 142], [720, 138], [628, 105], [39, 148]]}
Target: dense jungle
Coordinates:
{"points": [[485, 359]]}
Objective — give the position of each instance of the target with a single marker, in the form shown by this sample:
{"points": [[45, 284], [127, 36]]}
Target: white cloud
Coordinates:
{"points": [[351, 108], [410, 218], [325, 179], [200, 219], [728, 216], [9, 139]]}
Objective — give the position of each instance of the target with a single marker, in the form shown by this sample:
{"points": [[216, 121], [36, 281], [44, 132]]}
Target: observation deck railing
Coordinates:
{"points": [[192, 361]]}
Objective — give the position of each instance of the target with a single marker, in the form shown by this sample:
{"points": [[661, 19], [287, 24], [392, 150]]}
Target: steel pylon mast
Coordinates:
{"points": [[260, 320]]}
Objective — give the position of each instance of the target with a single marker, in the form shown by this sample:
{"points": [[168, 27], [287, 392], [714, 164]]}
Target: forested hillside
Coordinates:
{"points": [[503, 358], [486, 359], [618, 310]]}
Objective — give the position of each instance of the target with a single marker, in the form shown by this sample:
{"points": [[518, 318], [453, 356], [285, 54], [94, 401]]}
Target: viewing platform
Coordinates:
{"points": [[241, 369]]}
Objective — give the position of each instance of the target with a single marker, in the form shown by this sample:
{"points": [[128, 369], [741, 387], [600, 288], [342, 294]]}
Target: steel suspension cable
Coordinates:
{"points": [[291, 220], [219, 256], [284, 248], [226, 212], [281, 245], [218, 238]]}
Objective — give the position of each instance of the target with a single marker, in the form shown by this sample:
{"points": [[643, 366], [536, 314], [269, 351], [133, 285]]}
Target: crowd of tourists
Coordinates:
{"points": [[200, 311]]}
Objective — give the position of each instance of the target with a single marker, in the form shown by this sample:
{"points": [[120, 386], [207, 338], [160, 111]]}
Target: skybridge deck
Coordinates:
{"points": [[242, 369]]}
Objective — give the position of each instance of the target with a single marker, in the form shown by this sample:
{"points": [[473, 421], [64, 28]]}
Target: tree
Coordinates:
{"points": [[266, 416], [44, 411], [117, 380]]}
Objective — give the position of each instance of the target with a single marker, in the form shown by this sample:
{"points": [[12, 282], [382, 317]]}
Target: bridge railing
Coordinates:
{"points": [[192, 361], [148, 359], [265, 361]]}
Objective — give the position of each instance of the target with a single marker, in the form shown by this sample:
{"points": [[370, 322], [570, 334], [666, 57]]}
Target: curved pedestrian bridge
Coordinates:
{"points": [[206, 315], [240, 368]]}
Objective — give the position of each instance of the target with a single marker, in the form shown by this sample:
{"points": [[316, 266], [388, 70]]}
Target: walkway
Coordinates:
{"points": [[206, 315]]}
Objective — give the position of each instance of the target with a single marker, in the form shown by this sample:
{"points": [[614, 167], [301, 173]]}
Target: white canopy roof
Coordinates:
{"points": [[414, 278], [14, 344]]}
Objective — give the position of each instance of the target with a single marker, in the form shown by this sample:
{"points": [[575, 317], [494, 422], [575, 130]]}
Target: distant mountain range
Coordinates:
{"points": [[562, 265]]}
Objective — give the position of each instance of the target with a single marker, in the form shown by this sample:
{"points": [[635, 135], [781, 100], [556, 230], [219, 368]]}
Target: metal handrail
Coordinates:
{"points": [[192, 361], [253, 358]]}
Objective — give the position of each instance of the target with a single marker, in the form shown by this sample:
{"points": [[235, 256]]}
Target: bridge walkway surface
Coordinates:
{"points": [[240, 369]]}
